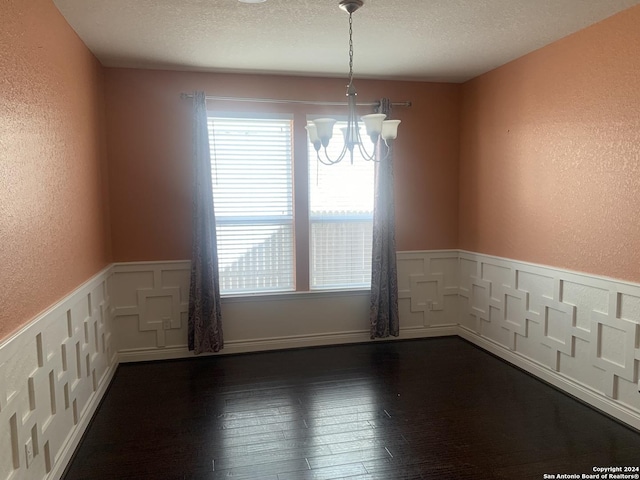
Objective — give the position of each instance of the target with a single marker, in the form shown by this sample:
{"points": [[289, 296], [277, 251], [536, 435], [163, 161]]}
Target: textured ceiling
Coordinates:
{"points": [[447, 40]]}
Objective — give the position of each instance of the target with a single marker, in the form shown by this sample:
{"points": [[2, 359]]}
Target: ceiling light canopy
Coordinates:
{"points": [[321, 130]]}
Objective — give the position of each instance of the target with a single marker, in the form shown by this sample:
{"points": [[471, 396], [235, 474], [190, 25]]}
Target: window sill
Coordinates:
{"points": [[279, 296]]}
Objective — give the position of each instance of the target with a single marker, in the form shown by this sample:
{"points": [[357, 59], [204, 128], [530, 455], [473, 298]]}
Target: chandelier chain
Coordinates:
{"points": [[321, 130], [350, 48]]}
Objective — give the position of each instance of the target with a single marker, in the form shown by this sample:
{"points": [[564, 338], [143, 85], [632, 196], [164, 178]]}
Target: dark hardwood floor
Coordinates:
{"points": [[421, 409]]}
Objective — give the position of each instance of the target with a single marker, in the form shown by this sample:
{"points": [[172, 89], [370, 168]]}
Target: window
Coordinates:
{"points": [[251, 170], [340, 217]]}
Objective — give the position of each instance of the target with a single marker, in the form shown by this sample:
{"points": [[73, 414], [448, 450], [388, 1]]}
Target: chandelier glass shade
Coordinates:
{"points": [[376, 126]]}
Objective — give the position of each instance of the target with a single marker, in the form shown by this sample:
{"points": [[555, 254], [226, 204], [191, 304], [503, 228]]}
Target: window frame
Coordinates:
{"points": [[298, 113]]}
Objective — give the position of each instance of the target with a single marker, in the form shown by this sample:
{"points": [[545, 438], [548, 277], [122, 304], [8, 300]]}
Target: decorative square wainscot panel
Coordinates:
{"points": [[427, 288], [156, 297], [614, 342]]}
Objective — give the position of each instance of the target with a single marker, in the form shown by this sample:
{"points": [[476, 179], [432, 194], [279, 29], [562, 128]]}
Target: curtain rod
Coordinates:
{"points": [[305, 102]]}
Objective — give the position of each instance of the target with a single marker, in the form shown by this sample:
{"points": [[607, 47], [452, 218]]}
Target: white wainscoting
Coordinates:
{"points": [[578, 332], [53, 373], [150, 301]]}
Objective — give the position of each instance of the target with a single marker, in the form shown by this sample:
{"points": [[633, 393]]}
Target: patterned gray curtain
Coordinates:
{"points": [[205, 319], [383, 312]]}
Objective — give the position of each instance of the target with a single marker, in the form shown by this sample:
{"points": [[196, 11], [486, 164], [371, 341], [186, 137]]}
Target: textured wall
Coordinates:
{"points": [[149, 134], [52, 229], [550, 154]]}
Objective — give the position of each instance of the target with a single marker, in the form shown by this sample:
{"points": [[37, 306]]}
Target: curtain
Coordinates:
{"points": [[205, 319], [383, 313]]}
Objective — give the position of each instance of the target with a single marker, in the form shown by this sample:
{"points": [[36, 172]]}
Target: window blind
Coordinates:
{"points": [[341, 217], [251, 171]]}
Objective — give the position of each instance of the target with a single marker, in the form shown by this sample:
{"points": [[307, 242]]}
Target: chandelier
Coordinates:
{"points": [[320, 130]]}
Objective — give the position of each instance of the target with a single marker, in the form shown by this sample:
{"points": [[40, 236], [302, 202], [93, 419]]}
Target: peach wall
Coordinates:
{"points": [[53, 233], [550, 154], [149, 135]]}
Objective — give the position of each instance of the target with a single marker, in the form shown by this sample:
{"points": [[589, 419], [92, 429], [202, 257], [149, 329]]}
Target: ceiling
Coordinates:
{"points": [[438, 40]]}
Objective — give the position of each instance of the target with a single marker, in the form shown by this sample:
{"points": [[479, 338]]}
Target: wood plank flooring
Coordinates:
{"points": [[421, 409]]}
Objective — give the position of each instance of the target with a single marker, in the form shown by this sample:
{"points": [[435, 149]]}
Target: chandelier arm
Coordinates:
{"points": [[327, 160], [363, 151], [386, 155], [366, 155]]}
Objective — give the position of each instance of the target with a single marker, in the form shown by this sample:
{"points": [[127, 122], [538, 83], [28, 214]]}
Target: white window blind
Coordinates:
{"points": [[341, 217], [251, 170]]}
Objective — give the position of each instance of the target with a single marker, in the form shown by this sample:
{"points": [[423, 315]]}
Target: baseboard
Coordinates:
{"points": [[281, 343], [581, 392]]}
